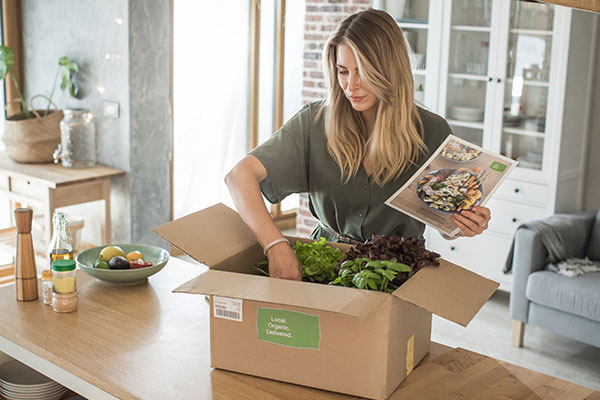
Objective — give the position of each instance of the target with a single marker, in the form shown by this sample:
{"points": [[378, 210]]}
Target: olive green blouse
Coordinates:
{"points": [[297, 160]]}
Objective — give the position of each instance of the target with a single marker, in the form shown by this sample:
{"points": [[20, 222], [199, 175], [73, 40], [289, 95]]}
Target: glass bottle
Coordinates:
{"points": [[60, 247]]}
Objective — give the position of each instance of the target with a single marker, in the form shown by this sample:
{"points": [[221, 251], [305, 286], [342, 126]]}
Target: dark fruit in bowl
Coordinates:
{"points": [[118, 262]]}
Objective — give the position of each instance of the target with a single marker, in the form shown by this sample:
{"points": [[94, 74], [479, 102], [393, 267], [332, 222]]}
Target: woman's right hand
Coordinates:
{"points": [[244, 184], [283, 263]]}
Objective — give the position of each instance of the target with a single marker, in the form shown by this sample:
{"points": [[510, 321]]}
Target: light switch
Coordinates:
{"points": [[111, 109]]}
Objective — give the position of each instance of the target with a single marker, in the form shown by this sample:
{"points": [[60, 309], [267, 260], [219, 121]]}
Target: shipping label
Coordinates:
{"points": [[288, 328], [227, 308]]}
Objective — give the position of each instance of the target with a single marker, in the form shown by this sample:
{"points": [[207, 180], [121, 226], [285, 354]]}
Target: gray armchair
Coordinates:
{"points": [[564, 305]]}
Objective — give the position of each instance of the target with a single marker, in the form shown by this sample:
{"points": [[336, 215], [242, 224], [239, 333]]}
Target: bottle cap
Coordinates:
{"points": [[47, 275], [63, 265]]}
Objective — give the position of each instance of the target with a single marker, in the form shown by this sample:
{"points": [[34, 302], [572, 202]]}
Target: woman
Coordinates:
{"points": [[350, 152]]}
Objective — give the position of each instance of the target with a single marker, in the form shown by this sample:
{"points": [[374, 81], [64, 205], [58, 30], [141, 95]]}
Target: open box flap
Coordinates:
{"points": [[210, 235], [449, 291], [347, 301]]}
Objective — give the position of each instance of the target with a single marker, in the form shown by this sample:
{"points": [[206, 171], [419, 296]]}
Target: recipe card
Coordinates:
{"points": [[458, 176]]}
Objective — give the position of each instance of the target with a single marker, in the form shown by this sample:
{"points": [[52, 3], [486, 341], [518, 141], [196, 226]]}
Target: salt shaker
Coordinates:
{"points": [[25, 269], [47, 287]]}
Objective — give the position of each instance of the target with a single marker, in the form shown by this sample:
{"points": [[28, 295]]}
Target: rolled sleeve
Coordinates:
{"points": [[285, 156]]}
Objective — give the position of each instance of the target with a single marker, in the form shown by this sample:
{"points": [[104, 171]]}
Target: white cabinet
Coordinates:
{"points": [[514, 77], [421, 21]]}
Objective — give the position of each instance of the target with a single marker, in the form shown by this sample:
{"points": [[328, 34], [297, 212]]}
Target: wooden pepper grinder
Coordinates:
{"points": [[25, 270]]}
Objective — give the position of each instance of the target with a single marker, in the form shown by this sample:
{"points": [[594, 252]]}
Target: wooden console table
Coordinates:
{"points": [[49, 186]]}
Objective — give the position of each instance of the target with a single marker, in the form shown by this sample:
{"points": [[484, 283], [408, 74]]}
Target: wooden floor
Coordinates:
{"points": [[490, 333]]}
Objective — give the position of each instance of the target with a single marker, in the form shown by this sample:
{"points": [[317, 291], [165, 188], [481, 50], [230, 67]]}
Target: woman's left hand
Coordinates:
{"points": [[473, 222]]}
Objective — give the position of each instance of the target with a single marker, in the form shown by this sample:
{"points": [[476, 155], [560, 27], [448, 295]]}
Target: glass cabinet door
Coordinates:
{"points": [[527, 83], [470, 30], [413, 17]]}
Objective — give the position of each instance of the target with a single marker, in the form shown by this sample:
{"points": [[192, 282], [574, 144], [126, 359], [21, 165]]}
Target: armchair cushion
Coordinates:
{"points": [[593, 247], [580, 295]]}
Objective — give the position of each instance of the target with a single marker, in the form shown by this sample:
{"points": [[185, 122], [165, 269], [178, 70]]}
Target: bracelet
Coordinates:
{"points": [[273, 243]]}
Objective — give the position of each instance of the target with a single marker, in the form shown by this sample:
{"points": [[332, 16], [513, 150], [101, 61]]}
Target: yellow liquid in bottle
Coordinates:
{"points": [[60, 254]]}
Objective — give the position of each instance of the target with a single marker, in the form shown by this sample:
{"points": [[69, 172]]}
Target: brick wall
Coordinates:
{"points": [[321, 19]]}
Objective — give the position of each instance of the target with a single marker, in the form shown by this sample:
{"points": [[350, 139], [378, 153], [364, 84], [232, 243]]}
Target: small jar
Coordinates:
{"points": [[47, 286], [64, 285], [63, 276], [64, 303]]}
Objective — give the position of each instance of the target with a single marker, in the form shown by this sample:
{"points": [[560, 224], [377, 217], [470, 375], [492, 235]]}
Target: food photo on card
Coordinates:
{"points": [[458, 176]]}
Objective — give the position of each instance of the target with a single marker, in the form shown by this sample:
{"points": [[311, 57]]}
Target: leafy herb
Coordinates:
{"points": [[364, 273], [318, 261], [262, 267], [382, 263], [410, 251]]}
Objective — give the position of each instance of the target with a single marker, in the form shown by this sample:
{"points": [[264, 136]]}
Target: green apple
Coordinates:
{"points": [[101, 264]]}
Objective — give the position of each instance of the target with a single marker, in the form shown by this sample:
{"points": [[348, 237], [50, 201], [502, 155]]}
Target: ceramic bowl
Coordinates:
{"points": [[470, 114], [156, 255]]}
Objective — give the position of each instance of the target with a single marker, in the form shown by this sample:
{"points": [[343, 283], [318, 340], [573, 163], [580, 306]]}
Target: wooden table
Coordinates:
{"points": [[49, 186], [145, 342]]}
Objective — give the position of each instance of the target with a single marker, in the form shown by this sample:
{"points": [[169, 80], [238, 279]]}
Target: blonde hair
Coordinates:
{"points": [[384, 68]]}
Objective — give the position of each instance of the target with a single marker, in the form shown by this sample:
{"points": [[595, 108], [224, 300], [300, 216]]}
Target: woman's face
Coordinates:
{"points": [[356, 92]]}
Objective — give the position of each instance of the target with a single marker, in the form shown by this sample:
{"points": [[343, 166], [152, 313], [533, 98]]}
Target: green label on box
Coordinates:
{"points": [[498, 166], [288, 328]]}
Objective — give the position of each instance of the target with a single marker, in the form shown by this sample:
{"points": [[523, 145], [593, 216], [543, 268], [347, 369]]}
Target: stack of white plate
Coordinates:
{"points": [[471, 114], [19, 382]]}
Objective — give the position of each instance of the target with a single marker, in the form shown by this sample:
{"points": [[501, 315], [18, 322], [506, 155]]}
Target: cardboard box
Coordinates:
{"points": [[347, 340]]}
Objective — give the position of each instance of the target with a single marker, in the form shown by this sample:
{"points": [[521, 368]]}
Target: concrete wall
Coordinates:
{"points": [[150, 119], [122, 47]]}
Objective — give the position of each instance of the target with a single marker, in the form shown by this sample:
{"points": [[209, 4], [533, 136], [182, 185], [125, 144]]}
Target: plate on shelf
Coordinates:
{"points": [[20, 382], [411, 21], [467, 114]]}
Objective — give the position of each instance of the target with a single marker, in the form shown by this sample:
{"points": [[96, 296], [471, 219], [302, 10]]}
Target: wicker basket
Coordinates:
{"points": [[34, 139]]}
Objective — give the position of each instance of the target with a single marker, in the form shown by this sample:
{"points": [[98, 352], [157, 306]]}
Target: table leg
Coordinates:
{"points": [[106, 226]]}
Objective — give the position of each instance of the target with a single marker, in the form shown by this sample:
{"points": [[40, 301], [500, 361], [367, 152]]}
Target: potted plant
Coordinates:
{"points": [[32, 135]]}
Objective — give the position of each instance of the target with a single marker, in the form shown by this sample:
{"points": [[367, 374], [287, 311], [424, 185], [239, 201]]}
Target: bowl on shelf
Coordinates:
{"points": [[510, 120], [156, 255], [534, 157], [525, 163], [468, 114]]}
